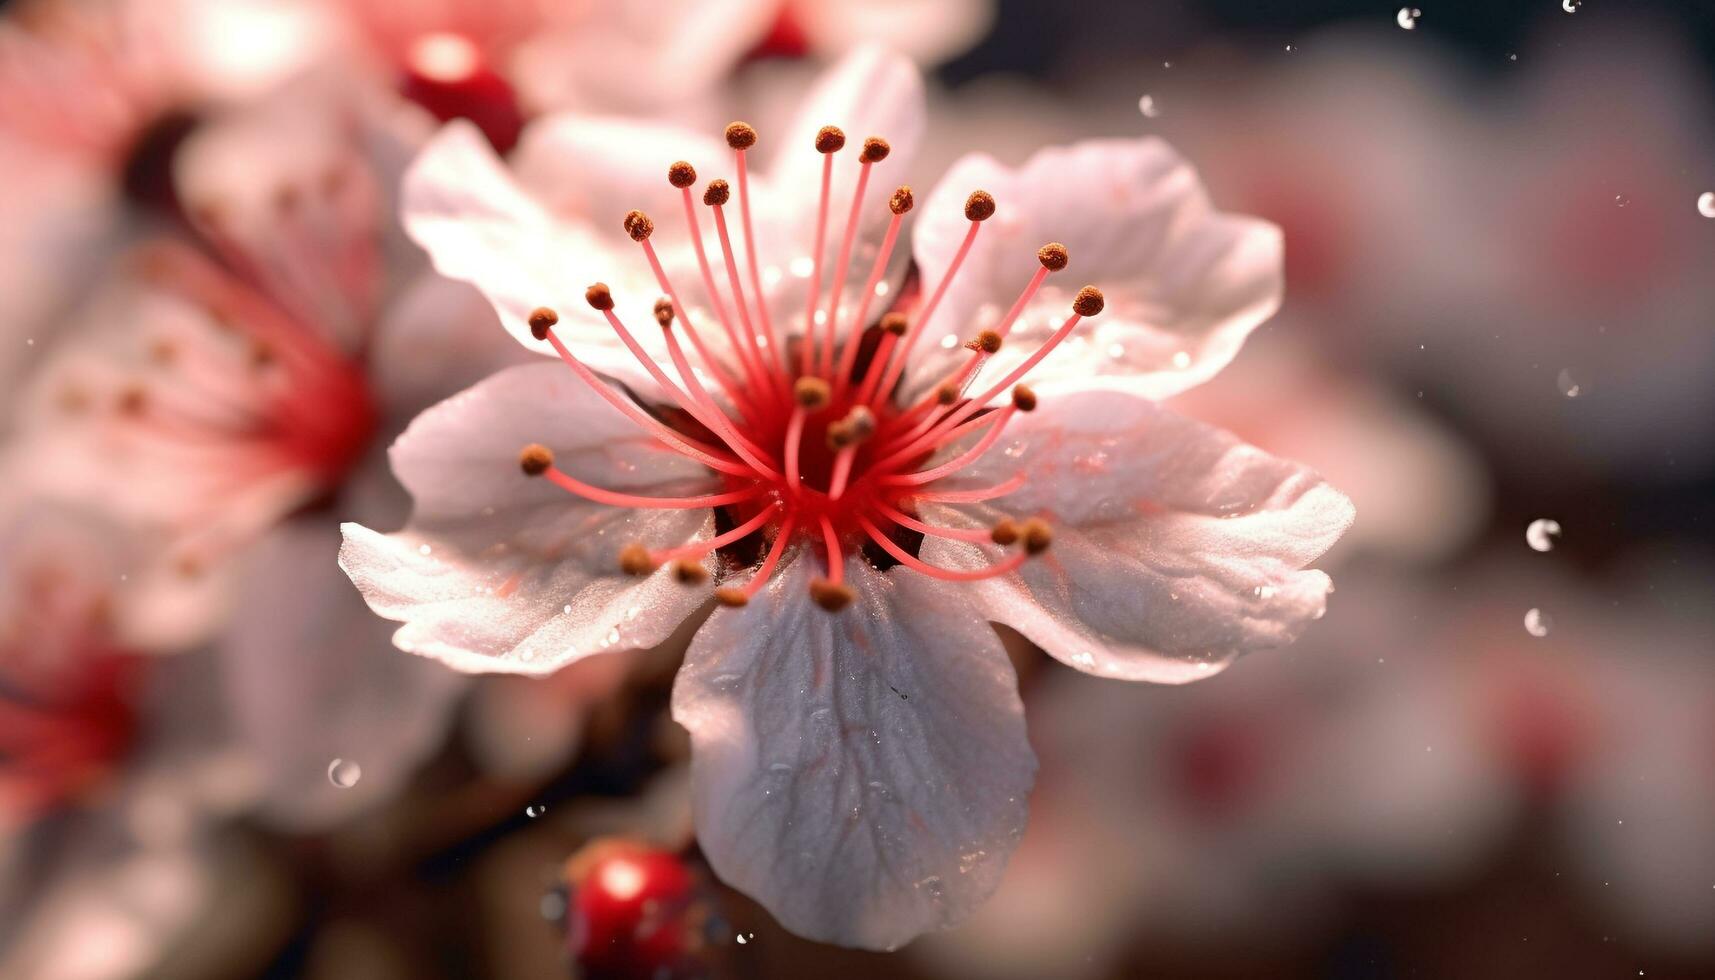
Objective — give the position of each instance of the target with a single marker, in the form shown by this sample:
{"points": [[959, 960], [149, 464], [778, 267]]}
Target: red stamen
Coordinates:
{"points": [[995, 421], [972, 496], [697, 548], [905, 558], [614, 498], [903, 350], [841, 265], [836, 562], [774, 351], [897, 516], [806, 343], [752, 369]]}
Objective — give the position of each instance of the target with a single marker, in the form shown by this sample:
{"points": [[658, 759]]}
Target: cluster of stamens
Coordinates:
{"points": [[815, 446]]}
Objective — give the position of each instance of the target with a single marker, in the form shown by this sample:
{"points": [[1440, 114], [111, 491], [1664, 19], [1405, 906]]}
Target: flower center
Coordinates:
{"points": [[450, 76], [816, 439]]}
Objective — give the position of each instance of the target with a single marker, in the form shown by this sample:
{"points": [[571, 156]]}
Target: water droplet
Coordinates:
{"points": [[1537, 622], [1084, 659], [344, 773], [611, 638], [535, 810], [1622, 200], [1289, 49], [882, 288], [1542, 534], [1147, 106], [1567, 384], [423, 549], [745, 937], [802, 266], [567, 609], [1571, 6], [1182, 360], [1706, 204], [1408, 17], [1167, 64], [779, 767], [1512, 57], [1116, 351]]}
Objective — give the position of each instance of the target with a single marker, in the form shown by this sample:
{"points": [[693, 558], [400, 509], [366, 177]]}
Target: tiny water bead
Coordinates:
{"points": [[344, 773], [1147, 106], [1706, 204], [1408, 16], [1571, 6], [535, 810], [1537, 623], [1568, 385], [1542, 534]]}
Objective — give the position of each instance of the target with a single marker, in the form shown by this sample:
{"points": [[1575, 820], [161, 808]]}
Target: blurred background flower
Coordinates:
{"points": [[1494, 756]]}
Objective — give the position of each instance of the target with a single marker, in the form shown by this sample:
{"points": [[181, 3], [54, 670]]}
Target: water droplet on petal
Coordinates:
{"points": [[1408, 17], [1567, 384], [1147, 106], [802, 266], [535, 810], [1537, 623], [344, 773], [1182, 360], [1571, 6], [423, 549], [1542, 534], [1289, 49], [1706, 204], [949, 342], [1622, 200]]}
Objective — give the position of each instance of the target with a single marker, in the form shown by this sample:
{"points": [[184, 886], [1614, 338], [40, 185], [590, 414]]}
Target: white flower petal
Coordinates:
{"points": [[863, 774], [478, 225], [311, 678], [1185, 284], [927, 31], [1176, 546], [500, 572]]}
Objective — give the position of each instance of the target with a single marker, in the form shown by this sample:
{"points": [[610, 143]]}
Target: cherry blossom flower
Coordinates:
{"points": [[862, 485]]}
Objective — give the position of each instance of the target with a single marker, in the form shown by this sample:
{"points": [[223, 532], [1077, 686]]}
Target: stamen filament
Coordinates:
{"points": [[842, 472], [768, 371], [836, 562], [848, 356], [794, 439], [807, 344], [698, 548], [910, 561], [774, 351], [973, 496], [614, 498], [747, 450], [974, 405], [728, 383], [775, 550], [752, 369], [903, 351], [996, 421], [841, 265], [897, 516]]}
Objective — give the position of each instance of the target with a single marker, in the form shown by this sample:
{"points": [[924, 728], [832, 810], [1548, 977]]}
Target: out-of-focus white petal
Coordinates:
{"points": [[312, 678], [1185, 284], [436, 338], [478, 225], [1176, 546], [927, 31], [863, 774], [499, 572]]}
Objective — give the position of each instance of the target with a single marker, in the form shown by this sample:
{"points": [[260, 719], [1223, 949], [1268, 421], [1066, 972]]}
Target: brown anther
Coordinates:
{"points": [[1004, 532], [599, 296], [634, 560], [988, 342], [947, 394], [830, 139], [731, 598], [740, 135], [830, 596], [681, 174], [862, 422], [811, 393], [717, 193], [1088, 302], [875, 150], [638, 225], [688, 572], [133, 401], [664, 312], [979, 206], [542, 320], [1037, 536], [1053, 256], [840, 435], [901, 201], [895, 324], [535, 459], [1024, 398]]}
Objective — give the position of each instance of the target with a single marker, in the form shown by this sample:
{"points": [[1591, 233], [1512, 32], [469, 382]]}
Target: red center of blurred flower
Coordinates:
{"points": [[450, 76], [633, 912]]}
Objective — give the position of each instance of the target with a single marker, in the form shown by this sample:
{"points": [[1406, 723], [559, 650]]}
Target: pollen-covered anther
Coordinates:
{"points": [[740, 135], [988, 342], [717, 193], [732, 598], [599, 297], [638, 225], [854, 429], [830, 139], [1037, 536], [1004, 532], [902, 200], [542, 320], [979, 206], [1053, 256], [664, 312], [535, 459], [875, 150], [1024, 398], [1088, 302], [634, 559], [895, 324], [688, 572], [947, 394], [681, 174], [811, 393], [832, 596]]}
